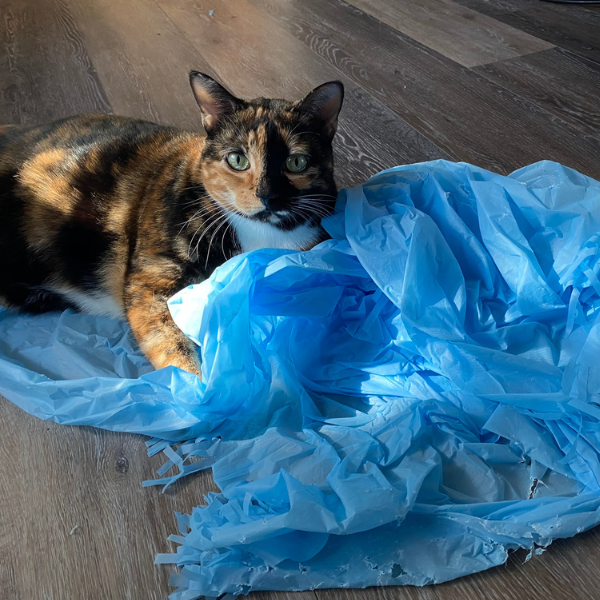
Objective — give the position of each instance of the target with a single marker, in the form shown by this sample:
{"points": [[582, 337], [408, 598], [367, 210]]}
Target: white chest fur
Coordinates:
{"points": [[93, 303], [253, 235]]}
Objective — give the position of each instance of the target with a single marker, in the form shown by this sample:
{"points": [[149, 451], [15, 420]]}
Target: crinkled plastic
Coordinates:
{"points": [[404, 404]]}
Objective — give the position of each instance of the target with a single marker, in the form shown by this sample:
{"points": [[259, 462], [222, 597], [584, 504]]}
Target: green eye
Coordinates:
{"points": [[238, 161], [296, 163]]}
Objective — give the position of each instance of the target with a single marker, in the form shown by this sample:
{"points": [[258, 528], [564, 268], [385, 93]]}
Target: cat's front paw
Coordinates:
{"points": [[182, 354], [185, 362], [189, 365]]}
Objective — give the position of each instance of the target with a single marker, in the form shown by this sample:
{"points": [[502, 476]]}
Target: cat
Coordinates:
{"points": [[112, 216]]}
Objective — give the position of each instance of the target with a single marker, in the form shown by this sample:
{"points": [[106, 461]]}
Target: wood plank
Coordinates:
{"points": [[461, 34], [556, 80], [75, 522], [570, 27], [238, 40], [463, 113], [494, 7], [45, 72], [141, 58], [372, 138]]}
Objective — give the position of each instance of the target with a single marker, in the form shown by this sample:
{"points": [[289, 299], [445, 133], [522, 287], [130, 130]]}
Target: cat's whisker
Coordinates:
{"points": [[191, 187], [204, 194], [319, 210], [316, 200], [232, 209], [225, 208], [321, 202], [184, 225], [211, 241], [203, 212], [236, 217], [207, 225], [199, 201], [306, 211], [214, 217], [305, 133], [307, 216], [210, 206], [223, 238], [314, 196], [192, 241], [293, 130], [197, 215], [219, 220], [300, 213], [194, 201], [299, 217], [311, 202]]}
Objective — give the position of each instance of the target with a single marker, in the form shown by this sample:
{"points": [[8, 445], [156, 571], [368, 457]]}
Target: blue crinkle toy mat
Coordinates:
{"points": [[403, 404]]}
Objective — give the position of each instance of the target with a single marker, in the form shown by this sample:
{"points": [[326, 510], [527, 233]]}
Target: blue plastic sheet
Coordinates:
{"points": [[404, 404]]}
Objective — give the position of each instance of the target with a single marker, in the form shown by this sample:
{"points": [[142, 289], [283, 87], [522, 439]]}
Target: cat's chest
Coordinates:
{"points": [[253, 235]]}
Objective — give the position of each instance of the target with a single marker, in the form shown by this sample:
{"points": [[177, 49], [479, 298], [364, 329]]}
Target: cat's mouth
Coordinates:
{"points": [[307, 209], [279, 218], [276, 216]]}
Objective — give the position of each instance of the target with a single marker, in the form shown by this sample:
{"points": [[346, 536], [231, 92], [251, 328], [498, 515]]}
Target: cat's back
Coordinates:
{"points": [[69, 195], [102, 138], [79, 168]]}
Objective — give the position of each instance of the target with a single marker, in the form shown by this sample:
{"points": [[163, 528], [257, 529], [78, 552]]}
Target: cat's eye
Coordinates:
{"points": [[238, 161], [296, 163]]}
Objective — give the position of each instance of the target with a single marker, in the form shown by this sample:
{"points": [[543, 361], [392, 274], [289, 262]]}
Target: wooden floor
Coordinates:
{"points": [[500, 83]]}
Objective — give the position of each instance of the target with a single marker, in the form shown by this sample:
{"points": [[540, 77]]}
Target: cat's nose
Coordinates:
{"points": [[268, 200]]}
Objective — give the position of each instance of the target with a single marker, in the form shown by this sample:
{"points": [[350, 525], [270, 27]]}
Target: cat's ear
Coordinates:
{"points": [[214, 100], [325, 102]]}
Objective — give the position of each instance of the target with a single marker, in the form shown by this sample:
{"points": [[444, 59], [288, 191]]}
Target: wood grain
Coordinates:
{"points": [[461, 111], [240, 39], [573, 28], [464, 35], [45, 71], [495, 7], [562, 83], [76, 514], [142, 59]]}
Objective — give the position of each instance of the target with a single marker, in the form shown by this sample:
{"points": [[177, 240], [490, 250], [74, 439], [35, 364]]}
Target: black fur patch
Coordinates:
{"points": [[21, 277], [82, 249]]}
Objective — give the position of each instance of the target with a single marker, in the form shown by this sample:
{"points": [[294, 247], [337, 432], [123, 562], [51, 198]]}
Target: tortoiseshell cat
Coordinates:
{"points": [[113, 216]]}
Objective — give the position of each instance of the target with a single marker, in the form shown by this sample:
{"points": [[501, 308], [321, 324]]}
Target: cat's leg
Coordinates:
{"points": [[161, 341]]}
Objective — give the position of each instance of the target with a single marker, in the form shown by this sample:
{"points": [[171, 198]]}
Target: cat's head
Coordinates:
{"points": [[266, 159]]}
